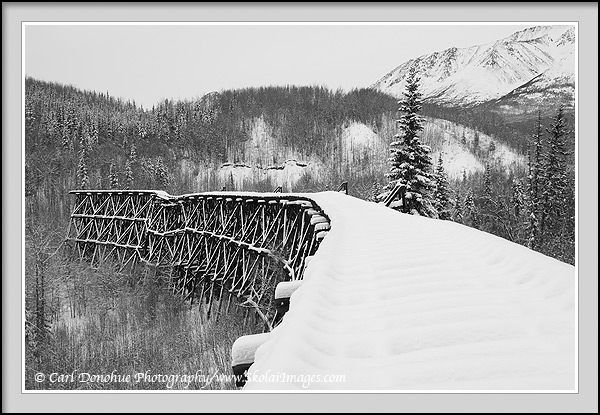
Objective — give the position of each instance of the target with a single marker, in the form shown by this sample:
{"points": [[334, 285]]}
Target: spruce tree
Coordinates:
{"points": [[487, 191], [375, 192], [517, 197], [128, 175], [94, 135], [441, 200], [476, 143], [132, 154], [555, 184], [410, 160], [457, 209], [82, 169], [66, 140], [161, 173], [470, 210], [534, 183], [113, 179]]}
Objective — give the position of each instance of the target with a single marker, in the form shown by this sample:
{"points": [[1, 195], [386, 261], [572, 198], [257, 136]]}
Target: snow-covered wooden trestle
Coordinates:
{"points": [[216, 246]]}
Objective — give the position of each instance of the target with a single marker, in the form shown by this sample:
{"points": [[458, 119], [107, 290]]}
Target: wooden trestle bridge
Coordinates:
{"points": [[220, 247], [217, 248]]}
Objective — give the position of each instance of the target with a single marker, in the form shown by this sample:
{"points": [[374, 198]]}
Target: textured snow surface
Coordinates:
{"points": [[394, 301]]}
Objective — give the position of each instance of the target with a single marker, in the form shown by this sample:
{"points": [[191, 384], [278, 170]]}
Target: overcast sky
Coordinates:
{"points": [[149, 63]]}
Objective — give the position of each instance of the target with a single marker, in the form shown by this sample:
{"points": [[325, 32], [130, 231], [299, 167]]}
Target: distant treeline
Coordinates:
{"points": [[75, 136], [513, 131]]}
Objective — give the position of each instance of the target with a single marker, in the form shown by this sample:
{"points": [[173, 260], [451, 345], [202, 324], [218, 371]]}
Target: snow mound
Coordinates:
{"points": [[397, 302], [285, 289], [244, 348]]}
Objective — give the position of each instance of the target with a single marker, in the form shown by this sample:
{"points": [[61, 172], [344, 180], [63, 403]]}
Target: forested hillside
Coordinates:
{"points": [[301, 138], [510, 129], [78, 139]]}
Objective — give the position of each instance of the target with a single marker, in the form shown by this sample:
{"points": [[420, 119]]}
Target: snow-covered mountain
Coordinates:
{"points": [[526, 63], [554, 85]]}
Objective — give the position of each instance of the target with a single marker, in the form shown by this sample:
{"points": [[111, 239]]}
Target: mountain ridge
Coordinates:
{"points": [[478, 74]]}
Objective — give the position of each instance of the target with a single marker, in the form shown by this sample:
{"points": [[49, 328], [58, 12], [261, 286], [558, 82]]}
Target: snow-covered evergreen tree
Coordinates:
{"points": [[375, 192], [113, 179], [517, 196], [128, 175], [470, 210], [410, 160], [132, 154], [93, 132], [534, 182], [555, 189], [161, 173], [441, 198], [457, 208], [129, 164], [487, 194], [487, 180], [66, 140], [82, 169]]}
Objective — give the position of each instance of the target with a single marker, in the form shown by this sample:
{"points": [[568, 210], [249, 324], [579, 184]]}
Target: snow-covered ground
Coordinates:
{"points": [[398, 302]]}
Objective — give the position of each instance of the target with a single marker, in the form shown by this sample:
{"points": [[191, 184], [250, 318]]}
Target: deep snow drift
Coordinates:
{"points": [[392, 301]]}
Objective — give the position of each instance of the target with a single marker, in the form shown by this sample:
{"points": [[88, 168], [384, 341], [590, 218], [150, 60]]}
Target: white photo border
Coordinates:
{"points": [[585, 14]]}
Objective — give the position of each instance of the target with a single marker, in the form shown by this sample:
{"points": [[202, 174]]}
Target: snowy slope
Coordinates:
{"points": [[393, 301], [361, 149], [469, 76], [446, 137]]}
